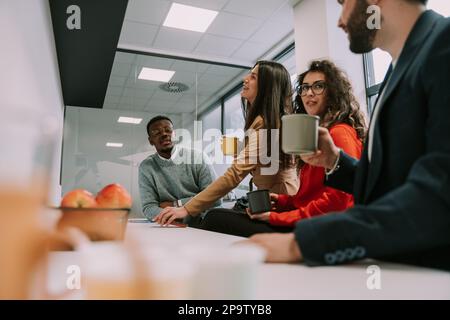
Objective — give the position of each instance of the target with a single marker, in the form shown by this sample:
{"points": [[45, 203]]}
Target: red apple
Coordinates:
{"points": [[78, 198], [113, 196]]}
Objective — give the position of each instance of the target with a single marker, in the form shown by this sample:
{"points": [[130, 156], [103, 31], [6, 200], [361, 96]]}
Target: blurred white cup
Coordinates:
{"points": [[108, 272], [163, 274], [224, 273]]}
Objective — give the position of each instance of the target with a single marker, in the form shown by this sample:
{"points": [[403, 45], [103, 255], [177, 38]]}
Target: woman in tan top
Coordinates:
{"points": [[268, 92]]}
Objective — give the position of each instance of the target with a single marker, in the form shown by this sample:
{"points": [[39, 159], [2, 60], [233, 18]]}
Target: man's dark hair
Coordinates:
{"points": [[156, 119]]}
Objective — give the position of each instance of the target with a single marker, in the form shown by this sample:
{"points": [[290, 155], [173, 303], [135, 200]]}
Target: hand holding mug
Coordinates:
{"points": [[274, 201], [327, 152], [265, 216]]}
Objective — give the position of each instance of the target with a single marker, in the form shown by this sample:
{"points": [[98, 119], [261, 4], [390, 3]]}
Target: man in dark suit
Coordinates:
{"points": [[401, 184]]}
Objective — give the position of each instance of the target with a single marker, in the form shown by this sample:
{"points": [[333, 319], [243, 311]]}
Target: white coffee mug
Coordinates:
{"points": [[224, 273], [299, 133]]}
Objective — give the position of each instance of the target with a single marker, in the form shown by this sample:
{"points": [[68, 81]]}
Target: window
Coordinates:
{"points": [[381, 62], [212, 120], [377, 62], [440, 6], [233, 115]]}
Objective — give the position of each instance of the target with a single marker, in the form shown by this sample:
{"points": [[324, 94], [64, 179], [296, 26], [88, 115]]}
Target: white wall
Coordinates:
{"points": [[318, 37], [29, 82]]}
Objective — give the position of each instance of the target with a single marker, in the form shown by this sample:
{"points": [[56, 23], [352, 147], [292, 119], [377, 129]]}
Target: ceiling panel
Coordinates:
{"points": [[168, 96], [218, 46], [133, 101], [112, 99], [189, 66], [176, 39], [137, 33], [142, 84], [234, 26], [285, 15], [159, 105], [249, 50], [206, 4], [121, 69], [138, 93], [187, 78], [117, 81], [223, 71], [270, 31], [244, 30], [147, 11], [153, 62], [237, 20], [115, 91], [254, 8], [124, 57]]}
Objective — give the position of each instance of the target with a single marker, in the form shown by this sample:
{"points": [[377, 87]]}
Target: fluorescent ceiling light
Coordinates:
{"points": [[155, 74], [114, 144], [129, 120], [189, 18]]}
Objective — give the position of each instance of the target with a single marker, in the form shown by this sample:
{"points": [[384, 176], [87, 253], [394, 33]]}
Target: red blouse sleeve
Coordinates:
{"points": [[330, 200]]}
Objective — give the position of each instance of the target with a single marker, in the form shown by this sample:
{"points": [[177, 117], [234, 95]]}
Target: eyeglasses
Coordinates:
{"points": [[317, 88], [159, 132]]}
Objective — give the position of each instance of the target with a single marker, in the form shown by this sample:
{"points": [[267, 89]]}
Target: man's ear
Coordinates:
{"points": [[150, 141]]}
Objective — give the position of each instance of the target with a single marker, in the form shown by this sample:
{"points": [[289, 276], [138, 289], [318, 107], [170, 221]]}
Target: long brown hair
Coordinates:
{"points": [[342, 106], [272, 101]]}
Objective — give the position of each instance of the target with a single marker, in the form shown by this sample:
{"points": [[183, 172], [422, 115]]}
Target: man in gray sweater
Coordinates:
{"points": [[174, 174]]}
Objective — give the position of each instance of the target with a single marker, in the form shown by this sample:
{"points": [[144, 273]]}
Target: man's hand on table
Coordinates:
{"points": [[280, 247]]}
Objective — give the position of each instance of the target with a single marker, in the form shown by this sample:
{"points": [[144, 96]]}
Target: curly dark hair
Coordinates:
{"points": [[342, 106]]}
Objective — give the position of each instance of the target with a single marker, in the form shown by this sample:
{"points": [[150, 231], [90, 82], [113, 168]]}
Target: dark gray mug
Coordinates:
{"points": [[259, 201], [299, 133]]}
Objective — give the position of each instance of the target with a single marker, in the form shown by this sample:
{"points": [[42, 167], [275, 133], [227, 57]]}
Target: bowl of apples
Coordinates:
{"points": [[102, 217]]}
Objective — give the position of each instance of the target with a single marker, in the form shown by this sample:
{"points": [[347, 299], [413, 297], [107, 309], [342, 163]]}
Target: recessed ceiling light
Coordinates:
{"points": [[129, 120], [155, 74], [114, 144], [189, 18]]}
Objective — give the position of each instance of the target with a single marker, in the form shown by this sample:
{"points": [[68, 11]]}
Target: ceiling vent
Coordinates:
{"points": [[173, 87]]}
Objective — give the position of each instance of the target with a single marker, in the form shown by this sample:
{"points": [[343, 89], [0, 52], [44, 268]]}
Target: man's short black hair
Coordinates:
{"points": [[155, 119]]}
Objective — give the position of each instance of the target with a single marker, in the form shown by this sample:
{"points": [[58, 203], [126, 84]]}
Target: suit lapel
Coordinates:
{"points": [[415, 42]]}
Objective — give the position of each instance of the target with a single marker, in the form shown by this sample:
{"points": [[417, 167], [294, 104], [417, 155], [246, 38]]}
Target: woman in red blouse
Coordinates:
{"points": [[325, 91]]}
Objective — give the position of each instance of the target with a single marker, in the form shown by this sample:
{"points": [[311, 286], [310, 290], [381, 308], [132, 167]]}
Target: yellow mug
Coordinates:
{"points": [[229, 145]]}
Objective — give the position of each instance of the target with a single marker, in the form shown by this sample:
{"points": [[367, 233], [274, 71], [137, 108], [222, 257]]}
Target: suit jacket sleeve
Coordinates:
{"points": [[413, 217], [343, 179]]}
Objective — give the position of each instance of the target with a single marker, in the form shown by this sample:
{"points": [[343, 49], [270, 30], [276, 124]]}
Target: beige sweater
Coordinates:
{"points": [[283, 181]]}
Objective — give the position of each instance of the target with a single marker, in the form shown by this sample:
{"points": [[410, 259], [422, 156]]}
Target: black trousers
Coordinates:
{"points": [[237, 223]]}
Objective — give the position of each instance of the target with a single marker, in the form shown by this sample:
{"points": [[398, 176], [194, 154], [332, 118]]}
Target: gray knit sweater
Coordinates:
{"points": [[173, 179]]}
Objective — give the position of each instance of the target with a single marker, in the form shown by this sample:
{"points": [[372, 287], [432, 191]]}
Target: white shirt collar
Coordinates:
{"points": [[172, 154]]}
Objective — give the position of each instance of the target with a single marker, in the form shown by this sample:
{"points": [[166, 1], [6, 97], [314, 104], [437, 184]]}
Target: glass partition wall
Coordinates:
{"points": [[103, 146]]}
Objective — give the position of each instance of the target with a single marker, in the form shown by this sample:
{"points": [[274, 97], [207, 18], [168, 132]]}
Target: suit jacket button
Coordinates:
{"points": [[350, 253], [340, 256], [330, 258], [360, 252]]}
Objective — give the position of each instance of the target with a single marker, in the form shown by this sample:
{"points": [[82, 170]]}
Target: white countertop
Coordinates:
{"points": [[286, 281]]}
